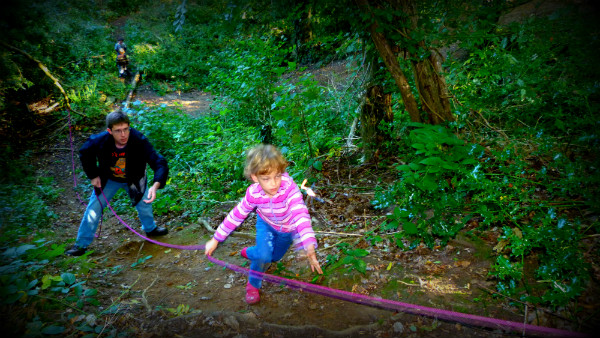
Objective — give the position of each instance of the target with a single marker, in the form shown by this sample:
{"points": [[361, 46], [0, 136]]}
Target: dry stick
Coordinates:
{"points": [[134, 83], [210, 229], [144, 295], [490, 126], [111, 319], [525, 320], [46, 71], [140, 250]]}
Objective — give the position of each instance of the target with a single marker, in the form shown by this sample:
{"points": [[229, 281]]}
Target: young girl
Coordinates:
{"points": [[282, 216]]}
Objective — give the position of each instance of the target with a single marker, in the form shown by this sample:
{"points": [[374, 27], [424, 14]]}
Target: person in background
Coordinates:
{"points": [[282, 217], [120, 45], [117, 159], [122, 63], [122, 58]]}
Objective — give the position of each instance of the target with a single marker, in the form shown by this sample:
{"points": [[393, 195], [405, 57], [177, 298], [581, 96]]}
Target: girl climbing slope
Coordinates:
{"points": [[282, 216]]}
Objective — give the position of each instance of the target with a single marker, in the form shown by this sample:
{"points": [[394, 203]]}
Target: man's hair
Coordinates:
{"points": [[263, 159], [115, 117], [120, 39]]}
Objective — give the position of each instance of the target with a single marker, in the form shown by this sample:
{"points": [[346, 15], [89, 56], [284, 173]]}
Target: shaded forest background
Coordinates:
{"points": [[468, 117]]}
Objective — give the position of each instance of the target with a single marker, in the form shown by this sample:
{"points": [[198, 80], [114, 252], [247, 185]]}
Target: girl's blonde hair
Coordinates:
{"points": [[262, 159]]}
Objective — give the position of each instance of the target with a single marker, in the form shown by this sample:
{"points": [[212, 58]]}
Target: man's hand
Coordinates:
{"points": [[152, 192], [96, 182], [312, 259], [210, 246]]}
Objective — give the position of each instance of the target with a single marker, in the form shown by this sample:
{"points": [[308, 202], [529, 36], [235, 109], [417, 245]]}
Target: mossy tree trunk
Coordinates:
{"points": [[430, 83]]}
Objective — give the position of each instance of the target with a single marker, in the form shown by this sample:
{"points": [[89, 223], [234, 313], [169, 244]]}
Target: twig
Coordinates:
{"points": [[140, 250], [235, 233], [144, 295], [336, 233], [134, 83], [525, 320], [409, 284], [489, 125], [334, 245]]}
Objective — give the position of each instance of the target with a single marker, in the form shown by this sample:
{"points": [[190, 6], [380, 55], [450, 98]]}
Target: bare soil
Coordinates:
{"points": [[159, 291]]}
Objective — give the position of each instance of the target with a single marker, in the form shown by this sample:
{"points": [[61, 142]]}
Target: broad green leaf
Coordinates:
{"points": [[358, 252], [409, 228], [68, 278]]}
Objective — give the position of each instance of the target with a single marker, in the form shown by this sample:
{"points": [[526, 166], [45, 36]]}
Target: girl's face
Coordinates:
{"points": [[270, 182]]}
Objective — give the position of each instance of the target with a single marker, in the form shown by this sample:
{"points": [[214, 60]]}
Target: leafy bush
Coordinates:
{"points": [[433, 185]]}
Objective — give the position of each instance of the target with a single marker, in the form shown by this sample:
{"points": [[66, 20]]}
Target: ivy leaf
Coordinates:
{"points": [[318, 165], [53, 329], [68, 278]]}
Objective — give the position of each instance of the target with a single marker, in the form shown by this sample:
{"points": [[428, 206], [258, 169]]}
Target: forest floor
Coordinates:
{"points": [[164, 292]]}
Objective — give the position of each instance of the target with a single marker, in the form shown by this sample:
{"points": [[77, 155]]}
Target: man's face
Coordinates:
{"points": [[120, 133]]}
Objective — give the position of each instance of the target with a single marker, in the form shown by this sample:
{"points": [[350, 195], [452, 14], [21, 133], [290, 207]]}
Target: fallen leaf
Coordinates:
{"points": [[463, 264]]}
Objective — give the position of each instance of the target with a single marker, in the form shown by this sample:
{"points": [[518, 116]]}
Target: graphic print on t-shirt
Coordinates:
{"points": [[118, 170]]}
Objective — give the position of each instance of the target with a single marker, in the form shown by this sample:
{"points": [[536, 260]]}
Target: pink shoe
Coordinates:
{"points": [[252, 294], [243, 253]]}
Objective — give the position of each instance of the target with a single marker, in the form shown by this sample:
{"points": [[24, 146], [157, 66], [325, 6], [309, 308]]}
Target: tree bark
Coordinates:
{"points": [[391, 62], [431, 85], [377, 108], [432, 91]]}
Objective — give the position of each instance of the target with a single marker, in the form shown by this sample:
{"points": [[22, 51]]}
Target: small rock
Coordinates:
{"points": [[398, 327], [232, 323]]}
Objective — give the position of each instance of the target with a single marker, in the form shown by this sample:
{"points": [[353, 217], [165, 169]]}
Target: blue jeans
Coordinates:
{"points": [[93, 212], [270, 247]]}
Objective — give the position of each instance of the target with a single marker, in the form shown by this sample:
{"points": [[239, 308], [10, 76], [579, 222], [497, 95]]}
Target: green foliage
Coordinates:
{"points": [[350, 261], [432, 186], [141, 261], [528, 140], [182, 309], [561, 264], [205, 158]]}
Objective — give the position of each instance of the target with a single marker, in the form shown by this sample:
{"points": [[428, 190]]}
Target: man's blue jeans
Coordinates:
{"points": [[270, 247], [93, 212]]}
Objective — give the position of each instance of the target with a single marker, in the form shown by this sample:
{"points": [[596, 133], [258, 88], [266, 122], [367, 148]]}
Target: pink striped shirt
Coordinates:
{"points": [[285, 212]]}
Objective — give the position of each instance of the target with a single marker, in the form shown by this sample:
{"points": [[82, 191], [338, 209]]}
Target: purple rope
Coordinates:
{"points": [[182, 247], [396, 306], [386, 304]]}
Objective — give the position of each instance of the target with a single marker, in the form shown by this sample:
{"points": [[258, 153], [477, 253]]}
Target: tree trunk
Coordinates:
{"points": [[432, 91], [377, 108], [303, 34], [431, 85], [391, 62]]}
